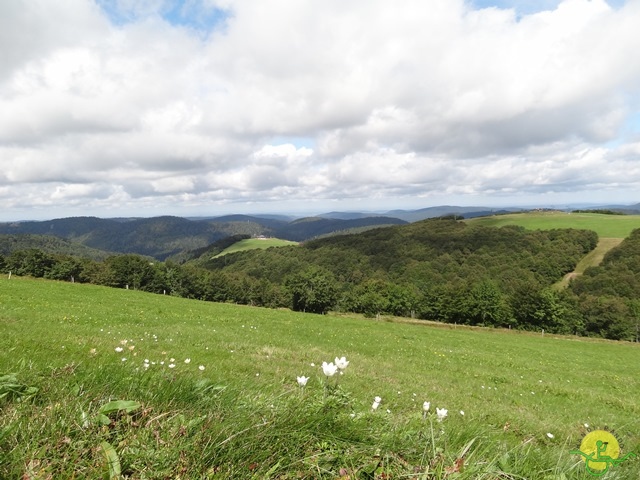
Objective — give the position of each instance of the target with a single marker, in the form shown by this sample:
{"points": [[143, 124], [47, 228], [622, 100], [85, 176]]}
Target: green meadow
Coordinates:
{"points": [[254, 243], [106, 383], [606, 226]]}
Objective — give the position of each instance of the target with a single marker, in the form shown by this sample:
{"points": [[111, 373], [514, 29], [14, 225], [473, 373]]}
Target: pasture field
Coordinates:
{"points": [[253, 243], [219, 397], [606, 226]]}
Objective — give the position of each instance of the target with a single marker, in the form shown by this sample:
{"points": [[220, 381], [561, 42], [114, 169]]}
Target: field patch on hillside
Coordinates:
{"points": [[256, 243], [607, 226], [157, 386], [592, 259]]}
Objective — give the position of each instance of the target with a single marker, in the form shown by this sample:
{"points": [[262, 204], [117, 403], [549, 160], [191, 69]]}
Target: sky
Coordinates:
{"points": [[207, 107]]}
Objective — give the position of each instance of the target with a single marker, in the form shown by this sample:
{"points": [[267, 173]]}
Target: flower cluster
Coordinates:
{"points": [[172, 362], [329, 369], [441, 413], [338, 365]]}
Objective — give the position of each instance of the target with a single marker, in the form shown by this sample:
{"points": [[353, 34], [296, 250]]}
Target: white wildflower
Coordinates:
{"points": [[329, 369], [341, 363]]}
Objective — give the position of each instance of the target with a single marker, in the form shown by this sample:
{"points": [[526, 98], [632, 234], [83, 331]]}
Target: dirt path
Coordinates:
{"points": [[591, 259]]}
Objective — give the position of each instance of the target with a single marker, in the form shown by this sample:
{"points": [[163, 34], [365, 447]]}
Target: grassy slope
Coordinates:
{"points": [[513, 387], [606, 226], [253, 243], [593, 258]]}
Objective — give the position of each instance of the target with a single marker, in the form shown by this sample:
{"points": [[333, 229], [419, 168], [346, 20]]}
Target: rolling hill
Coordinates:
{"points": [[439, 269], [164, 237], [607, 226], [49, 244], [611, 230], [168, 236], [157, 237]]}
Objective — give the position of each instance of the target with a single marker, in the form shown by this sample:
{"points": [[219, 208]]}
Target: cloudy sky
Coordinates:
{"points": [[205, 107]]}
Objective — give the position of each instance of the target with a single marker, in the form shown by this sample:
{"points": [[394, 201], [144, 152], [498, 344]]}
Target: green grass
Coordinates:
{"points": [[254, 243], [244, 416], [592, 259], [607, 226]]}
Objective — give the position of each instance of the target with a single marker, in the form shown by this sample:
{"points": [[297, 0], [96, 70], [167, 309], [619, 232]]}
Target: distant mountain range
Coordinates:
{"points": [[441, 211], [628, 209], [423, 213], [471, 212], [163, 237]]}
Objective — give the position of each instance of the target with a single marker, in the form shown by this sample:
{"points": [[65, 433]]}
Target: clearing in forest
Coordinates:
{"points": [[253, 243], [611, 230], [591, 259]]}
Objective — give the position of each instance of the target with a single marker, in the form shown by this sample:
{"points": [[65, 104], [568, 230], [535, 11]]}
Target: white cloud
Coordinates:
{"points": [[128, 105]]}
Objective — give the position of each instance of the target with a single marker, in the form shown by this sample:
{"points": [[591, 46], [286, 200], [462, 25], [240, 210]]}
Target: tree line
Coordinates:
{"points": [[439, 269]]}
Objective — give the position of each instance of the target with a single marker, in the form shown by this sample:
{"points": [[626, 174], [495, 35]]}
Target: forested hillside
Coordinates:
{"points": [[439, 269], [157, 237], [609, 294], [306, 228], [49, 244], [164, 237]]}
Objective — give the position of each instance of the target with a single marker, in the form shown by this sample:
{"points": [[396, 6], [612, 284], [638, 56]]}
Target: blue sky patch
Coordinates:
{"points": [[298, 142], [196, 16], [527, 7], [185, 13]]}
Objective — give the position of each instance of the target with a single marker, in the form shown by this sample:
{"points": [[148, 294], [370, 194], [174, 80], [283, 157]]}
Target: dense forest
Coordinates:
{"points": [[49, 243], [166, 237], [439, 269], [609, 294]]}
